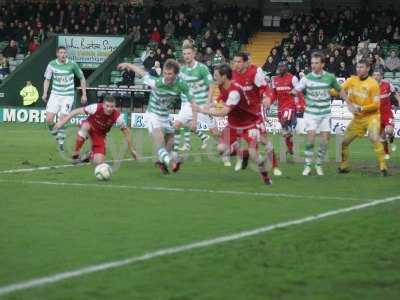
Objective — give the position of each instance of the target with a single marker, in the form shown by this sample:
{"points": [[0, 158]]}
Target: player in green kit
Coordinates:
{"points": [[165, 90], [61, 72], [317, 87], [199, 80]]}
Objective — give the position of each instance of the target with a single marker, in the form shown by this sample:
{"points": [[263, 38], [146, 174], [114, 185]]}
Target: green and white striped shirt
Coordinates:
{"points": [[63, 76], [198, 79], [163, 95], [317, 92]]}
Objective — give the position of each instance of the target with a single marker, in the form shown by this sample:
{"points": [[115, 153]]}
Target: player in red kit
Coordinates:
{"points": [[254, 85], [387, 118], [101, 118], [242, 121], [282, 85]]}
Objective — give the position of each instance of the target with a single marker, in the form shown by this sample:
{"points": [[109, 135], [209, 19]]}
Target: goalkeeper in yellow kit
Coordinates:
{"points": [[363, 101]]}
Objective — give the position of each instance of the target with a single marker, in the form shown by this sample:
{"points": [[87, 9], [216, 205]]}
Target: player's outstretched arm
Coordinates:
{"points": [[46, 84], [83, 88], [216, 112], [127, 66], [127, 133], [75, 112]]}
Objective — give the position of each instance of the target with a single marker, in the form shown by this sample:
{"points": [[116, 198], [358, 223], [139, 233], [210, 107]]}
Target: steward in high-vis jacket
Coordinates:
{"points": [[29, 94]]}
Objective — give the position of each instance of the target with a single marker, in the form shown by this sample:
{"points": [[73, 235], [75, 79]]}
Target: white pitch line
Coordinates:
{"points": [[36, 282], [175, 189], [44, 168]]}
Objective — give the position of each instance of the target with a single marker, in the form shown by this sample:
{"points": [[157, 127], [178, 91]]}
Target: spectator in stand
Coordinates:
{"points": [[170, 54], [396, 35], [276, 57], [4, 69], [269, 66], [128, 77], [392, 63], [180, 30], [23, 45], [164, 46], [33, 45], [156, 69], [348, 58], [378, 61], [208, 57], [3, 32], [331, 66], [231, 34], [136, 34], [218, 58], [291, 65], [162, 59], [11, 50], [148, 63], [342, 71], [155, 35]]}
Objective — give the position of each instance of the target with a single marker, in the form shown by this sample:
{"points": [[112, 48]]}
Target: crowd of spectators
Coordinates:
{"points": [[344, 36], [24, 25]]}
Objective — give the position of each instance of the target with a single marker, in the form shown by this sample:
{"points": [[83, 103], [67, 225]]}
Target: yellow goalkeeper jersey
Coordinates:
{"points": [[364, 93]]}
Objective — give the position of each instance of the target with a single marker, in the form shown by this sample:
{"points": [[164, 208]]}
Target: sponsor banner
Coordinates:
{"points": [[22, 115], [89, 51], [338, 125]]}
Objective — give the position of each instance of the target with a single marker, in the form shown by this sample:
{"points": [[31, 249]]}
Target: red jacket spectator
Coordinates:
{"points": [[155, 36], [33, 46]]}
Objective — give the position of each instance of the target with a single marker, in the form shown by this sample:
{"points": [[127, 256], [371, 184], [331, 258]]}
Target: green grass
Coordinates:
{"points": [[47, 229]]}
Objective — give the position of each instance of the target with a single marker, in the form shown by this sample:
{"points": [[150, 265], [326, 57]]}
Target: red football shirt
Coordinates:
{"points": [[101, 122], [282, 86], [241, 116], [253, 84], [386, 88]]}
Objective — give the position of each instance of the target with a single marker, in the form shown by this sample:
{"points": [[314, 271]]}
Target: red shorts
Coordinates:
{"points": [[387, 120], [231, 135], [98, 140], [287, 118]]}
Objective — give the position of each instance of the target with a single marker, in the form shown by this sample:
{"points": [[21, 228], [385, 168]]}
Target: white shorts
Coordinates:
{"points": [[154, 121], [185, 116], [316, 123], [59, 104]]}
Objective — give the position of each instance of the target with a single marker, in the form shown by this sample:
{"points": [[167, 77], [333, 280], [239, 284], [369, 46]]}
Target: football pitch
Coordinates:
{"points": [[206, 232]]}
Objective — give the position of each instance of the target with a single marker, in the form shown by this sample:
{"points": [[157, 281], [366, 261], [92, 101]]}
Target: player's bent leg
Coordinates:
{"points": [[81, 137], [163, 158], [349, 136]]}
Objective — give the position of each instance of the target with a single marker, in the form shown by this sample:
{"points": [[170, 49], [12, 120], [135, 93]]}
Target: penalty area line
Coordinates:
{"points": [[57, 277]]}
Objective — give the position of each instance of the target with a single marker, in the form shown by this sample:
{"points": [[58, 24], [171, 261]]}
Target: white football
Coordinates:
{"points": [[103, 171]]}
